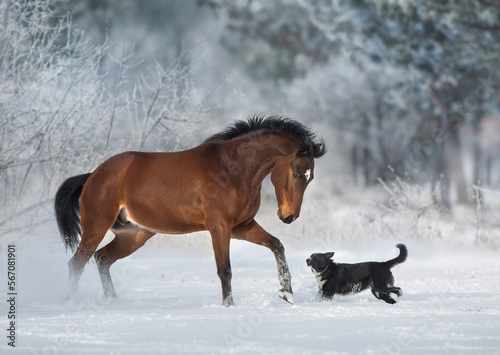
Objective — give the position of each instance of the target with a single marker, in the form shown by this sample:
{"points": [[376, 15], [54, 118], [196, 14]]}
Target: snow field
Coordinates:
{"points": [[170, 295], [172, 305]]}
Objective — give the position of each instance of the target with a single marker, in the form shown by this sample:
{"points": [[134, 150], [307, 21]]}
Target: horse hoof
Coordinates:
{"points": [[228, 302], [110, 295], [287, 296]]}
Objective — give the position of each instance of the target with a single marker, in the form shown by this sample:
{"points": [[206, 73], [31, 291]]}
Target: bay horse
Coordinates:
{"points": [[215, 186]]}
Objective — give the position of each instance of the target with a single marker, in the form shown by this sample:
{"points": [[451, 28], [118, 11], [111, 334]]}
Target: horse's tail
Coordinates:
{"points": [[403, 253], [67, 209]]}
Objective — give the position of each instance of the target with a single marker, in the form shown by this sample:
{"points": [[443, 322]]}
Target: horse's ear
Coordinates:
{"points": [[329, 255], [304, 151]]}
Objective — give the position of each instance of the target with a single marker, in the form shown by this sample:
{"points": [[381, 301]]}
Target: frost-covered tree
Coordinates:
{"points": [[305, 46], [59, 116], [48, 93], [274, 39], [455, 45], [451, 45], [373, 109]]}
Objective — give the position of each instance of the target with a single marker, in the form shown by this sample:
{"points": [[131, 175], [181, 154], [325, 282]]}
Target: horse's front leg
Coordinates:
{"points": [[220, 243], [254, 233]]}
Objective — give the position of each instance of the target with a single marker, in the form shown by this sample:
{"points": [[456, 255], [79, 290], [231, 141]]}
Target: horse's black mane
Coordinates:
{"points": [[314, 146]]}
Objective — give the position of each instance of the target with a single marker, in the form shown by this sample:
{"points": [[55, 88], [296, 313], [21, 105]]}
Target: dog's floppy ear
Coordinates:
{"points": [[329, 255]]}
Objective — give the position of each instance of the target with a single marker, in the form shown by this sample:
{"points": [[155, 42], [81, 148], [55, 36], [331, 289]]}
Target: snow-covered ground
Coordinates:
{"points": [[170, 295], [170, 301]]}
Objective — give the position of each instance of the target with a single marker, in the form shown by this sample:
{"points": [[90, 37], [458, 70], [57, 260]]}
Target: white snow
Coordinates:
{"points": [[170, 300], [169, 294]]}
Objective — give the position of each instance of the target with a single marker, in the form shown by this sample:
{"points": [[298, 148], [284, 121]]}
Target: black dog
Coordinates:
{"points": [[344, 279]]}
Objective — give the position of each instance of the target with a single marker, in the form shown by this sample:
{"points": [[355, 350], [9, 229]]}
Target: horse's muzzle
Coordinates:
{"points": [[288, 219]]}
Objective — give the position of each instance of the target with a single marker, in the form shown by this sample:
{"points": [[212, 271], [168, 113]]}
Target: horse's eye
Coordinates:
{"points": [[295, 175]]}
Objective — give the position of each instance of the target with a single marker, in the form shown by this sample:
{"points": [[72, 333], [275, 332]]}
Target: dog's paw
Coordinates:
{"points": [[287, 296], [390, 300]]}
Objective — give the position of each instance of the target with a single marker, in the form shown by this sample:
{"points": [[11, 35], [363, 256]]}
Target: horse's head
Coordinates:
{"points": [[288, 147], [290, 177]]}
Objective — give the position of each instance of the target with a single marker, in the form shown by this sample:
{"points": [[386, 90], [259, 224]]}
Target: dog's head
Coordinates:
{"points": [[319, 262]]}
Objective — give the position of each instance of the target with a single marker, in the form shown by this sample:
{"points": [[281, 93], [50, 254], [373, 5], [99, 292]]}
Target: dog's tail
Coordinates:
{"points": [[403, 253]]}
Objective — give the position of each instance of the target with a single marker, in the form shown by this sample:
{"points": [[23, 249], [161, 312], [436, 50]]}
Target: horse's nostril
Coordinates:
{"points": [[289, 219]]}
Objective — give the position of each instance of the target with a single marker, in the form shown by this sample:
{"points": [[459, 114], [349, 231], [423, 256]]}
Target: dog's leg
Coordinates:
{"points": [[328, 290], [326, 297], [383, 295], [397, 291]]}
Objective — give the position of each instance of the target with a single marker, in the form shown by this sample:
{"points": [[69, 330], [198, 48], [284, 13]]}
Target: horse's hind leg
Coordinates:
{"points": [[128, 239], [91, 238], [254, 233]]}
